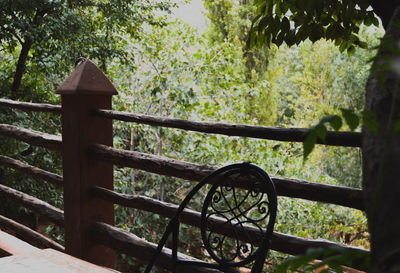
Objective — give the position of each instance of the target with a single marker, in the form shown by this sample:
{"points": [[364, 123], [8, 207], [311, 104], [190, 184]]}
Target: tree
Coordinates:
{"points": [[313, 79], [58, 32], [292, 22], [230, 22], [40, 41]]}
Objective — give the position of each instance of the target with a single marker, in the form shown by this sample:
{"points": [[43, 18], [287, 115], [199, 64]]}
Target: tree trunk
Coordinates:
{"points": [[381, 153], [20, 69], [23, 55]]}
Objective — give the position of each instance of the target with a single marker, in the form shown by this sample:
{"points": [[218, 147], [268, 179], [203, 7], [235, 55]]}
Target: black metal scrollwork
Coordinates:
{"points": [[236, 224], [227, 208]]}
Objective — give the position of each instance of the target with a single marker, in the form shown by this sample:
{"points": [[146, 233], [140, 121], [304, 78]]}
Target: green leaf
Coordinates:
{"points": [[333, 257], [300, 261], [321, 130], [278, 10], [343, 46], [364, 4], [285, 25], [309, 144], [361, 44], [336, 122], [155, 90], [290, 38], [279, 38], [336, 267], [351, 119], [351, 50], [375, 21], [284, 7], [317, 32], [283, 267]]}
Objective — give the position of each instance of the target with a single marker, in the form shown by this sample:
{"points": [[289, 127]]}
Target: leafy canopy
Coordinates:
{"points": [[293, 21], [54, 33]]}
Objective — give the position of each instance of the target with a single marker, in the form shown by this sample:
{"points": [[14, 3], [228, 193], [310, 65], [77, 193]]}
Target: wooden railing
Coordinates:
{"points": [[88, 159]]}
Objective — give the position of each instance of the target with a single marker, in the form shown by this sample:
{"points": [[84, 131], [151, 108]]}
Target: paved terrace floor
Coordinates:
{"points": [[21, 257]]}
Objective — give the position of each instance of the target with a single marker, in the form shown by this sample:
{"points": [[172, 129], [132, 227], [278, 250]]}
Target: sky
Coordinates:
{"points": [[193, 14]]}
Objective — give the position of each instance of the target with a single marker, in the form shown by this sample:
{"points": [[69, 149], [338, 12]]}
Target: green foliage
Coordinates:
{"points": [[331, 259], [56, 33], [178, 74], [295, 21], [165, 68], [39, 157], [319, 132], [317, 80], [351, 118], [230, 21]]}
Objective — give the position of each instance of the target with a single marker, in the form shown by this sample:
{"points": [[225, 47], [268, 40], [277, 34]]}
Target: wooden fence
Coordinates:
{"points": [[88, 159]]}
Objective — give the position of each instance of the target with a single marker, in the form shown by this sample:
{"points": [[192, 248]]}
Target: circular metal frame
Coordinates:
{"points": [[236, 210]]}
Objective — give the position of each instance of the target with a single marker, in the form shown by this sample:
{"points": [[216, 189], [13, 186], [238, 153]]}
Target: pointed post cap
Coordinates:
{"points": [[87, 79]]}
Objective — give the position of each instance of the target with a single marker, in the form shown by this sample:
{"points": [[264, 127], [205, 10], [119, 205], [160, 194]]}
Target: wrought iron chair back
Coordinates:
{"points": [[245, 217]]}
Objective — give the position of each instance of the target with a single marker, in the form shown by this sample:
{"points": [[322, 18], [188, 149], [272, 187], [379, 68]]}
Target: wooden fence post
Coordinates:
{"points": [[85, 89]]}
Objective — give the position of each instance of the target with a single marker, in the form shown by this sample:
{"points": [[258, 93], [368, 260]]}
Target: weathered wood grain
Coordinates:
{"points": [[280, 242], [29, 106], [44, 209], [85, 88], [296, 188], [349, 139], [32, 171], [51, 142], [134, 246]]}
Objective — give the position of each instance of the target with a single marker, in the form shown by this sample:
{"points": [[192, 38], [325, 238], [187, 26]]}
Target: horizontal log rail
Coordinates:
{"points": [[81, 126], [347, 139], [280, 242], [130, 244], [36, 138], [28, 235], [42, 208], [29, 106], [32, 171], [296, 188]]}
